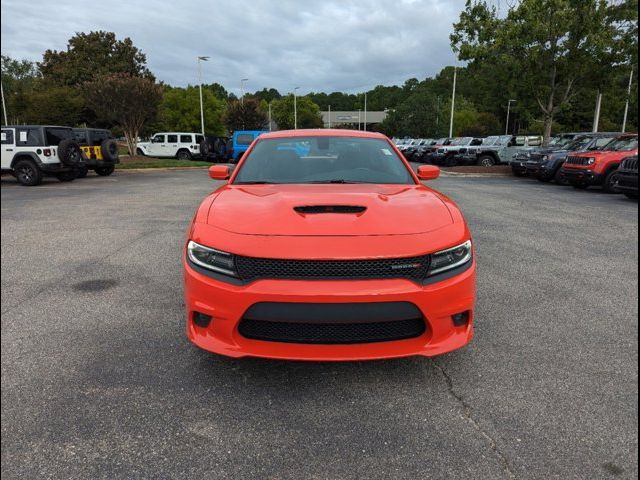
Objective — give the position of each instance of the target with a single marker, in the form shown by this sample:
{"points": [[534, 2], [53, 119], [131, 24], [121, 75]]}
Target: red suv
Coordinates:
{"points": [[584, 169]]}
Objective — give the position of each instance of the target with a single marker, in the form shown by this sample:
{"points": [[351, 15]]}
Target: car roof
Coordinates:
{"points": [[35, 126], [177, 133], [92, 129], [322, 132]]}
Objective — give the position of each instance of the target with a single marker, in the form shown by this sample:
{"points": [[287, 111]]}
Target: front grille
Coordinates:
{"points": [[577, 160], [252, 268], [331, 333], [630, 164]]}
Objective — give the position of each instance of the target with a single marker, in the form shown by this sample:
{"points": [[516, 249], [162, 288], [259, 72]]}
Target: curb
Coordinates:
{"points": [[155, 169]]}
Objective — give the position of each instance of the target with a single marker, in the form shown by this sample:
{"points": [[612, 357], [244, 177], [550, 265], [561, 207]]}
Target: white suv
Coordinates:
{"points": [[30, 152], [184, 146]]}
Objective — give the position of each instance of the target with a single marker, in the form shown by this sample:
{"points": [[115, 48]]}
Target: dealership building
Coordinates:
{"points": [[353, 119]]}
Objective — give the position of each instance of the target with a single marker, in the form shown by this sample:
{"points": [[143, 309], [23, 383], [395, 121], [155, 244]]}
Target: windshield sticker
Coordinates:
{"points": [[4, 137], [23, 136], [386, 151]]}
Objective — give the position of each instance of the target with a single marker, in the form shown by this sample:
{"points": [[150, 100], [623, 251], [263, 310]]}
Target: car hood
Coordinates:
{"points": [[270, 210]]}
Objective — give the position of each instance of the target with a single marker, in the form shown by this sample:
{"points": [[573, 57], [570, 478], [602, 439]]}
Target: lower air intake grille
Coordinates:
{"points": [[331, 333]]}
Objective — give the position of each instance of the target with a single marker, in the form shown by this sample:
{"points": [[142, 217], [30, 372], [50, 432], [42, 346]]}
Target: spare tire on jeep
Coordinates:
{"points": [[205, 148], [109, 149], [69, 152]]}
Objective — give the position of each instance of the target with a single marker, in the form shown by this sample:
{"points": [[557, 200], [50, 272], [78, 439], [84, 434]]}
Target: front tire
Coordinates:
{"points": [[27, 173], [486, 161], [82, 172], [105, 171], [139, 152], [609, 185]]}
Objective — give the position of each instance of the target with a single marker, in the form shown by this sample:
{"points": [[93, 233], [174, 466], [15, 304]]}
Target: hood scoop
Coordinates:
{"points": [[316, 209]]}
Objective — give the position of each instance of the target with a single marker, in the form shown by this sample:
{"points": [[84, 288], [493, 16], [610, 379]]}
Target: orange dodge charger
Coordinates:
{"points": [[324, 245]]}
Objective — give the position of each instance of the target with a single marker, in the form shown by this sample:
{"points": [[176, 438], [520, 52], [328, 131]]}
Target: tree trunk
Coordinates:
{"points": [[548, 125], [132, 141]]}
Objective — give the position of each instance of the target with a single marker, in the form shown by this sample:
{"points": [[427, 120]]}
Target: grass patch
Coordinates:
{"points": [[150, 162]]}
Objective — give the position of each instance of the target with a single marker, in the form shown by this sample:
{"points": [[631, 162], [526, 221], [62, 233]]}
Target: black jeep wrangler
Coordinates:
{"points": [[100, 151]]}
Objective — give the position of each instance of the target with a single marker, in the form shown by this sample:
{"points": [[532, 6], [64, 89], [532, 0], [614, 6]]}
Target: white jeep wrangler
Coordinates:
{"points": [[30, 152], [184, 146]]}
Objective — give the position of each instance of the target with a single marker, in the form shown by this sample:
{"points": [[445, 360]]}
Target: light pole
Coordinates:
{"points": [[269, 116], [201, 59], [4, 107], [506, 129], [295, 108], [242, 82], [365, 111], [329, 116], [453, 101], [359, 119]]}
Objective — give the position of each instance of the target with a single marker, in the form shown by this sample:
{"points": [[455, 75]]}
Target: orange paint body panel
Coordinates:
{"points": [[397, 222]]}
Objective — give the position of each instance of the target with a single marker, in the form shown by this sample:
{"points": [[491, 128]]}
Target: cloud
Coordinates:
{"points": [[319, 45]]}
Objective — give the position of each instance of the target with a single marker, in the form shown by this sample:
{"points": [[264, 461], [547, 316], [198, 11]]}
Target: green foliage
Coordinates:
{"points": [[91, 55], [550, 49], [125, 100], [246, 115], [179, 111], [308, 113]]}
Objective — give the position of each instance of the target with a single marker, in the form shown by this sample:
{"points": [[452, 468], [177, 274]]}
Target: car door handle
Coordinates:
{"points": [[9, 149]]}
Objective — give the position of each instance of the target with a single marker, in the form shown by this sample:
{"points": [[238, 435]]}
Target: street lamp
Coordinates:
{"points": [[506, 130], [201, 59], [295, 108], [242, 82], [365, 111]]}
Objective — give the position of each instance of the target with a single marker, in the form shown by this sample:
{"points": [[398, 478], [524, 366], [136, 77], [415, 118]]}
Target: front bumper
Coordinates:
{"points": [[581, 176], [519, 166], [227, 303]]}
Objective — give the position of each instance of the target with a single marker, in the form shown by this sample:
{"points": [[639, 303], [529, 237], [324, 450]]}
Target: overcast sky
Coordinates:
{"points": [[323, 45]]}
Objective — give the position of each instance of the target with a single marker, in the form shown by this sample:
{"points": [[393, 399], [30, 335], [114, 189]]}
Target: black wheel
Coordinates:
{"points": [[105, 171], [27, 173], [139, 152], [544, 178], [633, 196], [205, 149], [451, 161], [109, 149], [610, 182], [580, 186], [559, 179], [81, 171], [486, 161], [183, 155], [66, 176], [69, 152]]}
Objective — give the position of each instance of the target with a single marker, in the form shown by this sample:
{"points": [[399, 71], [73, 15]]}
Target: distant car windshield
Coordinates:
{"points": [[623, 144], [461, 141], [320, 159], [578, 144]]}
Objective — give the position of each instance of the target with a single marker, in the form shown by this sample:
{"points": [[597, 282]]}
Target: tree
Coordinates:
{"points": [[91, 55], [128, 101], [179, 110], [245, 115], [551, 47], [309, 116]]}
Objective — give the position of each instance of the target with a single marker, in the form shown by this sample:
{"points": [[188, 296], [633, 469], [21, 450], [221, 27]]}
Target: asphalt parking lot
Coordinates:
{"points": [[99, 381]]}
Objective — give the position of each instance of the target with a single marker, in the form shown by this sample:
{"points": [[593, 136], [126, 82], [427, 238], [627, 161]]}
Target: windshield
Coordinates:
{"points": [[490, 141], [623, 144], [561, 141], [461, 141], [323, 160], [578, 144]]}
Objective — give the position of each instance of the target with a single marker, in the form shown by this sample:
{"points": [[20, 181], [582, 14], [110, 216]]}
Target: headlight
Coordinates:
{"points": [[591, 161], [211, 259], [450, 258], [545, 158]]}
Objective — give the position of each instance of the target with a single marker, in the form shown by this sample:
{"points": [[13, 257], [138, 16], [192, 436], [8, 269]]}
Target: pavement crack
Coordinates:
{"points": [[466, 413]]}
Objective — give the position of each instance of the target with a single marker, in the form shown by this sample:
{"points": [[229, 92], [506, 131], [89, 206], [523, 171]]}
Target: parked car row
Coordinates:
{"points": [[450, 152], [195, 146], [587, 159], [31, 152]]}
